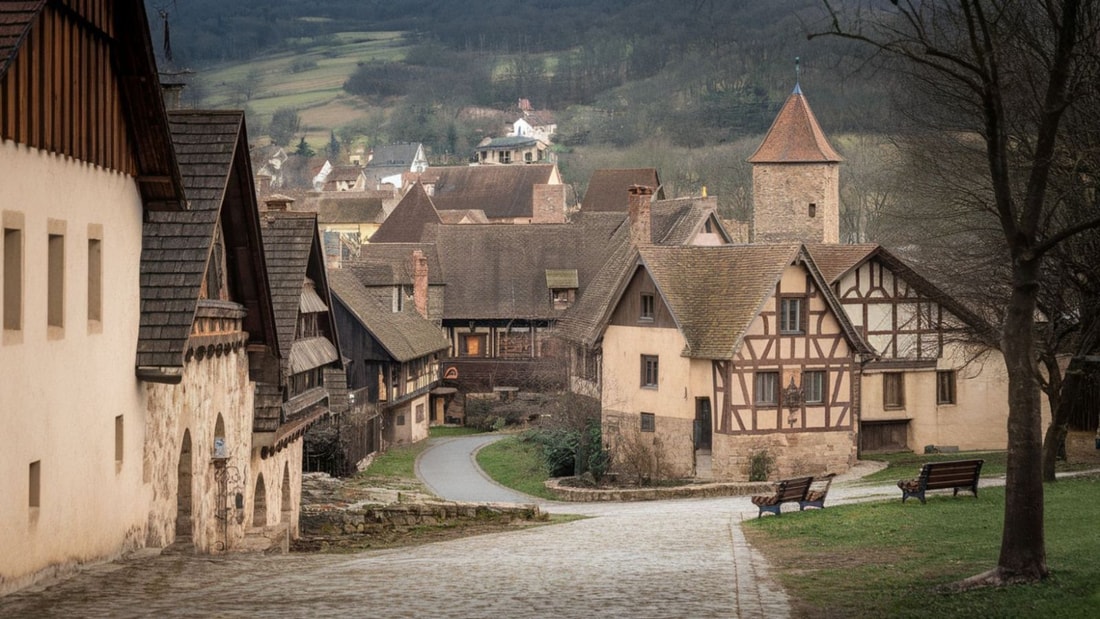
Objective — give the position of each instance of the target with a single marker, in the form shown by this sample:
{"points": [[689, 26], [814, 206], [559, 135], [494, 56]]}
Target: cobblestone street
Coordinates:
{"points": [[656, 559]]}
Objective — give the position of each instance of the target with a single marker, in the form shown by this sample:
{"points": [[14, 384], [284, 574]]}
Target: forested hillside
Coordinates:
{"points": [[632, 76]]}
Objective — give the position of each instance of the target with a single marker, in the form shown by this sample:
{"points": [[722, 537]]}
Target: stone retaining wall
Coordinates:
{"points": [[567, 493], [328, 521]]}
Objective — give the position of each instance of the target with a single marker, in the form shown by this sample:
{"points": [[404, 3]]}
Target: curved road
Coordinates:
{"points": [[450, 471]]}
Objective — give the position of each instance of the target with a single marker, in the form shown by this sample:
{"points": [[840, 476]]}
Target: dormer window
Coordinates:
{"points": [[562, 284]]}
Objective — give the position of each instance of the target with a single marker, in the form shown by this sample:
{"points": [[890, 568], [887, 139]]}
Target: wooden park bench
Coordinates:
{"points": [[955, 474], [815, 496], [786, 491]]}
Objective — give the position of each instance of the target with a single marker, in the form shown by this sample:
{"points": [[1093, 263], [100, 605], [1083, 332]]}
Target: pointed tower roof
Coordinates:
{"points": [[795, 136]]}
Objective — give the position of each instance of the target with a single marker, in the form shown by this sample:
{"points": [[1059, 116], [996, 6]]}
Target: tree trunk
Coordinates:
{"points": [[1055, 432], [1023, 549], [1060, 415]]}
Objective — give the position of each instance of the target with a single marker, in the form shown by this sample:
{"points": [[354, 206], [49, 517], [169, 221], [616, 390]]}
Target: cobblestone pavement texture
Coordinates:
{"points": [[677, 558]]}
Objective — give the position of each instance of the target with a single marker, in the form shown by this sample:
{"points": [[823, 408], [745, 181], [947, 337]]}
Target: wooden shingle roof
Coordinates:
{"points": [[406, 223], [607, 188], [288, 240], [405, 335], [211, 148], [795, 136], [502, 191], [15, 22]]}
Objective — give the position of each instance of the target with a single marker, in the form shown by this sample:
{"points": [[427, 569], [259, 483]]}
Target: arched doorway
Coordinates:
{"points": [[183, 488], [259, 503], [284, 508]]}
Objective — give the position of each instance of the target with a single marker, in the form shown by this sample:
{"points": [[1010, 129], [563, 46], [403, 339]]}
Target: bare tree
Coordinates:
{"points": [[1006, 71]]}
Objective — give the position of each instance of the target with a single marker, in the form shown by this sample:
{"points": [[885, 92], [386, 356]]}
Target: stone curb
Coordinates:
{"points": [[718, 489]]}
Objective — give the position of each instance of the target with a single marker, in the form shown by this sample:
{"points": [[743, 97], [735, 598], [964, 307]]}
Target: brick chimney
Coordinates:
{"points": [[548, 204], [420, 282], [639, 211]]}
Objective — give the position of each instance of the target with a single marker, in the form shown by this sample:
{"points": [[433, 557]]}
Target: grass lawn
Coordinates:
{"points": [[453, 431], [906, 464], [888, 559], [517, 464]]}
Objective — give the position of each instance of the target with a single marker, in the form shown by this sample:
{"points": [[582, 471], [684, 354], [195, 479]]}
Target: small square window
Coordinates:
{"points": [[647, 305], [767, 388], [945, 387], [118, 440], [400, 420], [649, 371], [813, 387], [812, 210], [34, 495], [55, 280], [95, 280], [419, 413], [13, 278], [649, 422], [893, 390]]}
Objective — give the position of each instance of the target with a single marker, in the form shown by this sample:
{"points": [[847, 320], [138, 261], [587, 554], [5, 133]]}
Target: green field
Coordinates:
{"points": [[309, 78]]}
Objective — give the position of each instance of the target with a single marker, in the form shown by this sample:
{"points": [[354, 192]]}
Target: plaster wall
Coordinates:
{"points": [[64, 387]]}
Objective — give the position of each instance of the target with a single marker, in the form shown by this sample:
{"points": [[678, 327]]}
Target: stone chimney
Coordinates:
{"points": [[548, 204], [263, 184], [420, 282], [639, 211], [277, 202]]}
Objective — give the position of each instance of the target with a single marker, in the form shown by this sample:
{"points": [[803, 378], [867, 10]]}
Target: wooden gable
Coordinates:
{"points": [[79, 79], [628, 310]]}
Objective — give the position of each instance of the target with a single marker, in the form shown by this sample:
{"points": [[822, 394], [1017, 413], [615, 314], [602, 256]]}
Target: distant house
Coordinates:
{"points": [[539, 124], [394, 352], [506, 194], [345, 178], [508, 286], [386, 165], [608, 188], [346, 219], [513, 149]]}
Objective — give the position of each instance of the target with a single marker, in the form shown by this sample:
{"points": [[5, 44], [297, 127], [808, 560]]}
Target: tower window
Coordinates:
{"points": [[813, 209]]}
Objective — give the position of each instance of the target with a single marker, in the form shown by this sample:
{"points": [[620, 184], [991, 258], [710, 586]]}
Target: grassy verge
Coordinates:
{"points": [[906, 464], [517, 464], [395, 469], [438, 431], [888, 559]]}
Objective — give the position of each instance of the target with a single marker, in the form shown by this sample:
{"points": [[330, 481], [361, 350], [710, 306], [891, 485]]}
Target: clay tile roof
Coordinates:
{"points": [[676, 221], [714, 293], [607, 188], [15, 21], [343, 207], [288, 239], [835, 261], [405, 335], [345, 173], [390, 264], [495, 271], [176, 244], [502, 191], [795, 136], [406, 223]]}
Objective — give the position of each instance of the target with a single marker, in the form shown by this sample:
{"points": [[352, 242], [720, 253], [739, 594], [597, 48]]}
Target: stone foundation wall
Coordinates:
{"points": [[794, 454], [670, 443]]}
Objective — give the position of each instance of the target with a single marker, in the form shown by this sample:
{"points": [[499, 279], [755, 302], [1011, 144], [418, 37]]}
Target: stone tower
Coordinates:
{"points": [[795, 179]]}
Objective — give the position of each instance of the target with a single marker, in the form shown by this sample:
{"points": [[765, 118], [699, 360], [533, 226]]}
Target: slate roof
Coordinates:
{"points": [[176, 244], [405, 335], [406, 223], [15, 22], [288, 240], [795, 136], [344, 173], [399, 155], [502, 191], [390, 264], [607, 188], [499, 272], [508, 143]]}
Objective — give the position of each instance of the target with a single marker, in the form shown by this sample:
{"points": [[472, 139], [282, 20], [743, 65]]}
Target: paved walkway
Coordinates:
{"points": [[677, 558]]}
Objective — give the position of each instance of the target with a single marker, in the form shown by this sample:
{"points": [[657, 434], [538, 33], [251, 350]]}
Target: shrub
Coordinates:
{"points": [[640, 458], [761, 464]]}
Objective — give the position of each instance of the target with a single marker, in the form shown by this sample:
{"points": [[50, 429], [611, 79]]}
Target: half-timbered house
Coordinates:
{"points": [[712, 355], [394, 359]]}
